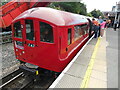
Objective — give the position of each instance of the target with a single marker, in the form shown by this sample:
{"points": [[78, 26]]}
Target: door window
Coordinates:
{"points": [[29, 30], [46, 33], [69, 36], [18, 30]]}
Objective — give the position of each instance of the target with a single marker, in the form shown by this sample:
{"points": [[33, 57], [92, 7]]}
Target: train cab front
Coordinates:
{"points": [[34, 43]]}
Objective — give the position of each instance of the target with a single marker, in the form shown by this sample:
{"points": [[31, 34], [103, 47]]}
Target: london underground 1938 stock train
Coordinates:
{"points": [[48, 38]]}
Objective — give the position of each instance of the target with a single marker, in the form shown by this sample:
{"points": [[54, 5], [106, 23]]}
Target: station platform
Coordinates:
{"points": [[93, 66]]}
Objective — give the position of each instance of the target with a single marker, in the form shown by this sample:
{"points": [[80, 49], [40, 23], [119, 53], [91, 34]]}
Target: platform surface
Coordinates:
{"points": [[104, 70]]}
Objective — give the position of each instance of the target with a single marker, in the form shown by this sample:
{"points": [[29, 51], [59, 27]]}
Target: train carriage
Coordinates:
{"points": [[49, 38]]}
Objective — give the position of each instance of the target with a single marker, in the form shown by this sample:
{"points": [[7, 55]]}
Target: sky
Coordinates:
{"points": [[102, 5]]}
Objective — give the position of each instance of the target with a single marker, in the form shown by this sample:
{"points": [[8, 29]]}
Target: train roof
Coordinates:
{"points": [[57, 17]]}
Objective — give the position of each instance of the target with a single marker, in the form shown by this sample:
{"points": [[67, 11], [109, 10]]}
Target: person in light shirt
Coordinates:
{"points": [[100, 20]]}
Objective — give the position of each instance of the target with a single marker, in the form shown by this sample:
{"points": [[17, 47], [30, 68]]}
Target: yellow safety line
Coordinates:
{"points": [[90, 66]]}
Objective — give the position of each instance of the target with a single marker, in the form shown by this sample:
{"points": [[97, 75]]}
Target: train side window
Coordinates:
{"points": [[78, 32], [46, 33], [69, 36], [29, 30], [84, 28], [18, 30]]}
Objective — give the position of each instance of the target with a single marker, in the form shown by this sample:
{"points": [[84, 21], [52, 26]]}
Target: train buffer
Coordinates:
{"points": [[92, 67]]}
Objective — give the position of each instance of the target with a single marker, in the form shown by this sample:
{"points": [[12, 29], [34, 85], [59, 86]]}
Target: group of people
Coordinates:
{"points": [[99, 26]]}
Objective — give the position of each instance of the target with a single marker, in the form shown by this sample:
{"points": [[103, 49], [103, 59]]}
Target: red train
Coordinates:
{"points": [[49, 38]]}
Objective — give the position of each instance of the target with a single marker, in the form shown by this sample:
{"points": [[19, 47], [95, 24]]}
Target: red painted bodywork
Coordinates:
{"points": [[51, 56], [12, 9]]}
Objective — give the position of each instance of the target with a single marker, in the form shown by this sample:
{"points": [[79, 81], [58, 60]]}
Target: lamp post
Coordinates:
{"points": [[117, 16]]}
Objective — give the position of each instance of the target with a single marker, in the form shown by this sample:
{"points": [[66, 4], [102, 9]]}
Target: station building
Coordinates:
{"points": [[114, 14], [117, 16]]}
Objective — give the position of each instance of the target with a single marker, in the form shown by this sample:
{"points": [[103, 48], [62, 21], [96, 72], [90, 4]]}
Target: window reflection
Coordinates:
{"points": [[46, 33], [18, 30], [80, 30], [29, 30]]}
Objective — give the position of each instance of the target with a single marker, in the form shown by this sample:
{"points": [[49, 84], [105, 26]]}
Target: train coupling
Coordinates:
{"points": [[28, 70]]}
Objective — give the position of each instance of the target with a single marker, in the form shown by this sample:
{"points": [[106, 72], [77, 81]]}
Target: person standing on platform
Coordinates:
{"points": [[115, 25], [100, 20], [95, 27], [103, 24]]}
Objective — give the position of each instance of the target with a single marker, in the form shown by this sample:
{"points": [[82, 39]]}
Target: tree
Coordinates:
{"points": [[96, 13], [74, 7], [3, 3], [89, 14]]}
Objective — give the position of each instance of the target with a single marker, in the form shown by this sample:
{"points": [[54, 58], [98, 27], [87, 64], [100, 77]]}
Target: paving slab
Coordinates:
{"points": [[83, 60], [77, 70], [93, 41], [69, 82], [99, 75], [101, 68], [100, 62], [96, 83]]}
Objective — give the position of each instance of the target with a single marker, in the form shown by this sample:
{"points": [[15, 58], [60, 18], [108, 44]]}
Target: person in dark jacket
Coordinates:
{"points": [[95, 27]]}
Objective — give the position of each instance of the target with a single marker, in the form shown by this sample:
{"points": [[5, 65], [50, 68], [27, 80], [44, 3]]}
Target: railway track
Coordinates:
{"points": [[18, 81], [5, 37]]}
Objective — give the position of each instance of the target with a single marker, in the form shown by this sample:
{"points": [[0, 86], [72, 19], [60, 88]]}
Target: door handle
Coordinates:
{"points": [[66, 49], [36, 45]]}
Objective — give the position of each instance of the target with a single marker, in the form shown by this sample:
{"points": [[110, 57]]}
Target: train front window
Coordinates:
{"points": [[29, 30], [18, 30], [46, 33]]}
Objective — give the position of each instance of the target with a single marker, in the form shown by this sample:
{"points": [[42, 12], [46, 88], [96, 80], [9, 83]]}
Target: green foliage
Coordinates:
{"points": [[89, 14], [2, 3], [74, 7], [96, 13]]}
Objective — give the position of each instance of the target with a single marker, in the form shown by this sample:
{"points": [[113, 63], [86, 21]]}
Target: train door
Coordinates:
{"points": [[46, 39], [70, 36], [29, 39], [65, 41], [18, 39]]}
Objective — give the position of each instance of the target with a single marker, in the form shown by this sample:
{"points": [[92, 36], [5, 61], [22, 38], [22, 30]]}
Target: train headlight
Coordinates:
{"points": [[16, 49], [23, 52]]}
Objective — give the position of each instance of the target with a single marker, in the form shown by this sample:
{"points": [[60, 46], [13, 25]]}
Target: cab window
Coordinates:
{"points": [[18, 30], [29, 30], [46, 33]]}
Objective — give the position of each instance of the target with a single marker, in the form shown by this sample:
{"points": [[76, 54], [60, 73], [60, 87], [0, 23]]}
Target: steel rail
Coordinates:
{"points": [[11, 80]]}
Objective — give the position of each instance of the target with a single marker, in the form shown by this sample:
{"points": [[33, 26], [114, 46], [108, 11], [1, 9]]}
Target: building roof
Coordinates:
{"points": [[109, 13], [57, 17]]}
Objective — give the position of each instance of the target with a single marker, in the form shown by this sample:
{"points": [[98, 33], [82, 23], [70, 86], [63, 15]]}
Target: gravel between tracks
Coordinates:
{"points": [[9, 62]]}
